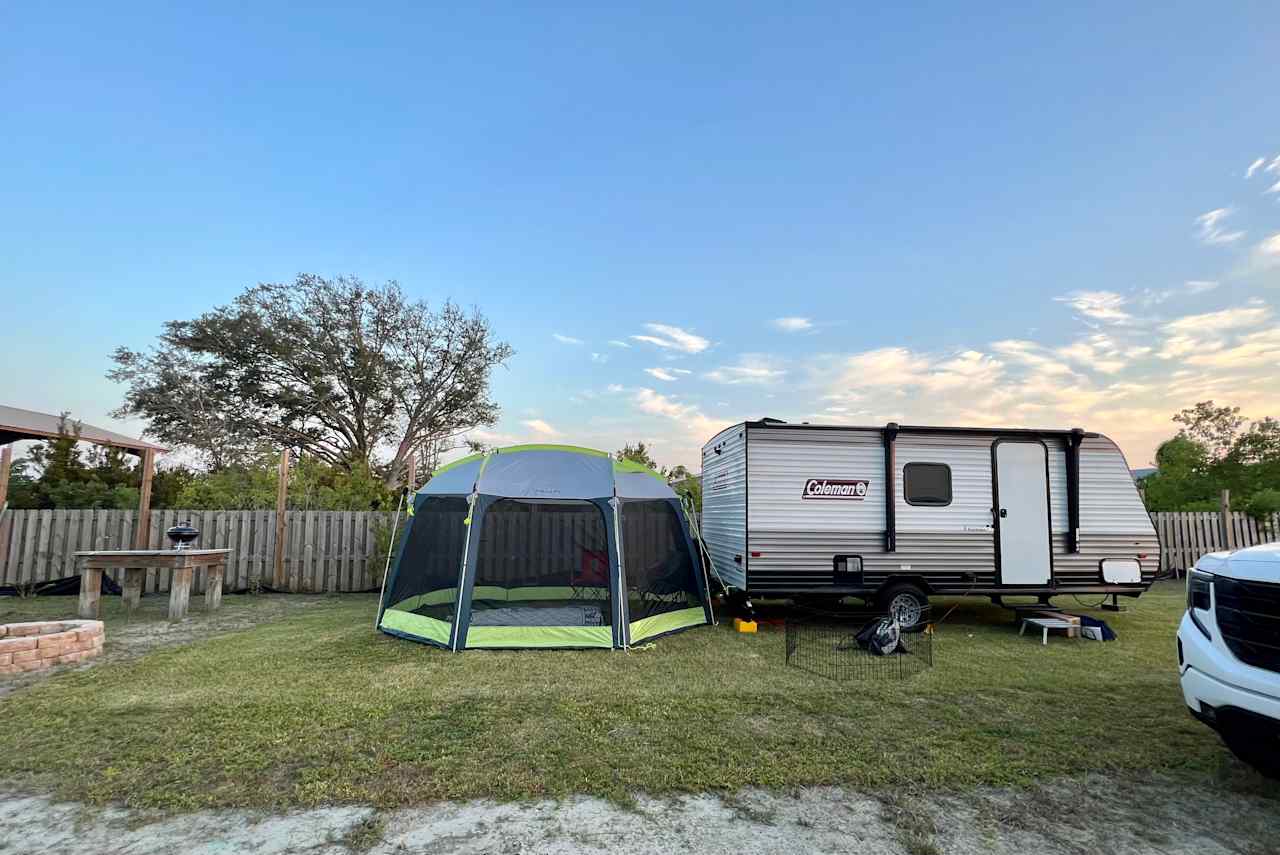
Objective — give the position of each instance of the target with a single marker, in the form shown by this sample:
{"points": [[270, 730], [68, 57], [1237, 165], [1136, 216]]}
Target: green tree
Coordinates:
{"points": [[59, 473], [314, 485], [638, 453], [690, 486], [1213, 427], [1182, 476], [333, 368], [1263, 504], [1214, 451]]}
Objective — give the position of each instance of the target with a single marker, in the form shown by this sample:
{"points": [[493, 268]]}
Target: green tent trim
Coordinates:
{"points": [[539, 636], [573, 449], [625, 465], [459, 462], [419, 625], [667, 622]]}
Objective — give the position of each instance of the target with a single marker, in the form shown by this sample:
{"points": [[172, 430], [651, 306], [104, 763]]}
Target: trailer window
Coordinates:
{"points": [[927, 484]]}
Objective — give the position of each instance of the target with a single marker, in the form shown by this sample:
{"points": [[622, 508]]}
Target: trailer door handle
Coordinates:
{"points": [[1004, 512]]}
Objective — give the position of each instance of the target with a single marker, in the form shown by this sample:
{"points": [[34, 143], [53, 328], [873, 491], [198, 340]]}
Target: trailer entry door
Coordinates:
{"points": [[1022, 512]]}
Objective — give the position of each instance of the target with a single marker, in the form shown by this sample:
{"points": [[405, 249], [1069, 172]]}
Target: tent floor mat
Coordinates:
{"points": [[539, 616]]}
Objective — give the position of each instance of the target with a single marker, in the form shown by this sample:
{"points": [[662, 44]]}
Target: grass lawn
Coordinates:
{"points": [[315, 708]]}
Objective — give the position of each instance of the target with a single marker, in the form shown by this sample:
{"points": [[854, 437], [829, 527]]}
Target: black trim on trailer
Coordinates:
{"points": [[746, 502], [946, 589], [1073, 489], [995, 510], [890, 434], [923, 429]]}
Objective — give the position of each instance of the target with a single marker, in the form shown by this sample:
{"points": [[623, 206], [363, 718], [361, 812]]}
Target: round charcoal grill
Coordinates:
{"points": [[182, 535]]}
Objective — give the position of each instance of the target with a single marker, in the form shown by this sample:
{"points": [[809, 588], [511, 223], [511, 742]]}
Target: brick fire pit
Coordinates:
{"points": [[42, 644]]}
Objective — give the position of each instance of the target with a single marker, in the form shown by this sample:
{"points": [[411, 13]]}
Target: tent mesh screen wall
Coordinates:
{"points": [[423, 602], [542, 563], [659, 568]]}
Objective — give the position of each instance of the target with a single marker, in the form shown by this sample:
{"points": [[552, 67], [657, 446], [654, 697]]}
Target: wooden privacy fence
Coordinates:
{"points": [[335, 550], [1185, 536], [324, 550]]}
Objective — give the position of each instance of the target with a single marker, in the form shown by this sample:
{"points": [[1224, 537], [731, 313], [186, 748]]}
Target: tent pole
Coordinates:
{"points": [[624, 619], [382, 592]]}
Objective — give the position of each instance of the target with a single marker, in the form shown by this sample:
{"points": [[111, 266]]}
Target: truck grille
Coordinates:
{"points": [[1248, 616]]}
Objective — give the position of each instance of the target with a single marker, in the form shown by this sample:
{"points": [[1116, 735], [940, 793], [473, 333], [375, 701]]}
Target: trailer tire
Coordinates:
{"points": [[909, 602]]}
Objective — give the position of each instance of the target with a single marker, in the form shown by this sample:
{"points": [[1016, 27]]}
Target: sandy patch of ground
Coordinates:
{"points": [[1091, 814]]}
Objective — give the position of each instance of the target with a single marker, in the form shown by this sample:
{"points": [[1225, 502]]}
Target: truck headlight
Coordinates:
{"points": [[1199, 597]]}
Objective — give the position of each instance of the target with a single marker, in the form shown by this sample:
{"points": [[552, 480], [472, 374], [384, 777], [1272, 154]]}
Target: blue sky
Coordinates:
{"points": [[1017, 214]]}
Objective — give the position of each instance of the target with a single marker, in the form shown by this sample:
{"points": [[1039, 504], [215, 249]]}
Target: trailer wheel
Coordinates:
{"points": [[906, 602]]}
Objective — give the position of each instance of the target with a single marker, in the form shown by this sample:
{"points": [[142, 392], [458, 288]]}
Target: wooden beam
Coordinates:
{"points": [[1224, 511], [142, 531], [6, 463], [282, 500]]}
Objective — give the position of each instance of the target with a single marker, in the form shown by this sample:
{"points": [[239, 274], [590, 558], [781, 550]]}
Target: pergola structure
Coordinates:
{"points": [[17, 424]]}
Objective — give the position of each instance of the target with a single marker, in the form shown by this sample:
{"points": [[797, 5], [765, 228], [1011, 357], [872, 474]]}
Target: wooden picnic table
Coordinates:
{"points": [[182, 562]]}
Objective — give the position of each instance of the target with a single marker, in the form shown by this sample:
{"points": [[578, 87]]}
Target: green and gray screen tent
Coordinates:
{"points": [[544, 546]]}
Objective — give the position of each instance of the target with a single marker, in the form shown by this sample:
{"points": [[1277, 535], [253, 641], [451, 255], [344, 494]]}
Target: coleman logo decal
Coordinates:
{"points": [[835, 488]]}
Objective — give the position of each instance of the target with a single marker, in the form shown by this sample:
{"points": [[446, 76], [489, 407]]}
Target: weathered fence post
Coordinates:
{"points": [[1224, 515], [282, 499], [142, 533], [6, 461]]}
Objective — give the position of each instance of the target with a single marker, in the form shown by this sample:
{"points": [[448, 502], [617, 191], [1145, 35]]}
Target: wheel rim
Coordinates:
{"points": [[906, 609]]}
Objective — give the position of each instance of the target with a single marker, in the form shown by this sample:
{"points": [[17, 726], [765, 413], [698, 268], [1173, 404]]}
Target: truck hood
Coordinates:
{"points": [[1259, 563]]}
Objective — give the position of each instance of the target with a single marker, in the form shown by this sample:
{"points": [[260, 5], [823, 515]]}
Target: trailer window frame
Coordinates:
{"points": [[922, 502]]}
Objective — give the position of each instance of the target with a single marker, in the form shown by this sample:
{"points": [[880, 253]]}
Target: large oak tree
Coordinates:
{"points": [[333, 368]]}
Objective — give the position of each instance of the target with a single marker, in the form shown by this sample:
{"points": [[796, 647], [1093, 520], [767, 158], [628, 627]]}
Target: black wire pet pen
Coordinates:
{"points": [[857, 645]]}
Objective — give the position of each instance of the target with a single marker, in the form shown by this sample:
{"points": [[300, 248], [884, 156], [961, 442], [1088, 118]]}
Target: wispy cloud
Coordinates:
{"points": [[751, 368], [1254, 167], [1267, 253], [1150, 297], [793, 324], [540, 427], [1032, 355], [698, 426], [1104, 306], [566, 339], [1200, 286], [614, 388], [673, 338], [1097, 352], [600, 357], [1209, 229], [1225, 319], [1192, 337], [660, 373], [614, 342]]}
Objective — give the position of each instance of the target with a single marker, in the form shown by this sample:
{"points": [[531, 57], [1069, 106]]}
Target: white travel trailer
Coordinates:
{"points": [[895, 514]]}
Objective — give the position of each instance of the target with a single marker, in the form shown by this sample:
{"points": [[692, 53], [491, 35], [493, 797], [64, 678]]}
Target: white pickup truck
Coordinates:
{"points": [[1229, 651]]}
